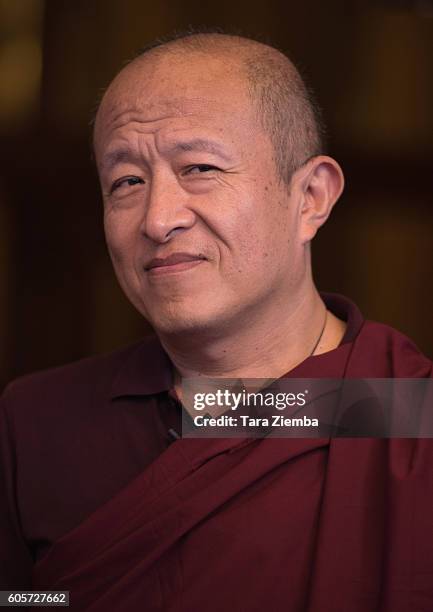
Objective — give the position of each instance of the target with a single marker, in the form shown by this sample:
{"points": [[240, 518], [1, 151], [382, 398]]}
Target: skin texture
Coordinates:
{"points": [[246, 303]]}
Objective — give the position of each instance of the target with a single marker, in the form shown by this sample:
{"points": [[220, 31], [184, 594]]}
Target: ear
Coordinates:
{"points": [[320, 183]]}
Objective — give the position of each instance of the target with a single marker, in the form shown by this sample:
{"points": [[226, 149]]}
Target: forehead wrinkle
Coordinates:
{"points": [[173, 107], [137, 123], [107, 126], [126, 150], [160, 109], [107, 133]]}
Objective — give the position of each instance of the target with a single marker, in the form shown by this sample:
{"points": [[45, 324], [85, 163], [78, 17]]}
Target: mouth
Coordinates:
{"points": [[177, 262]]}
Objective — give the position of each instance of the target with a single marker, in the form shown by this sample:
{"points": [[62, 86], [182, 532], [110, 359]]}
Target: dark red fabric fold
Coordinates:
{"points": [[291, 525], [134, 535], [283, 524]]}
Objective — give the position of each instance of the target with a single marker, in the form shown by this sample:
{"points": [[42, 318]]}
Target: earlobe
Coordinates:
{"points": [[322, 185]]}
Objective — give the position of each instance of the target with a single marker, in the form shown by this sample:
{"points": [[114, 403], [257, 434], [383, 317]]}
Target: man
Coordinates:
{"points": [[214, 184]]}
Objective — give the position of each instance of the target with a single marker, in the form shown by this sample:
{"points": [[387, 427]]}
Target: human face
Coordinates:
{"points": [[200, 230]]}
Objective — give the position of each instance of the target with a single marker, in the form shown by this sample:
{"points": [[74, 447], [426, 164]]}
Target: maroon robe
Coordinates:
{"points": [[320, 525]]}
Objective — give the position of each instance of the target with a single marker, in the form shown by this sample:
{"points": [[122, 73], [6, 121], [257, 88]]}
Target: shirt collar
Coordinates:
{"points": [[346, 310], [147, 369]]}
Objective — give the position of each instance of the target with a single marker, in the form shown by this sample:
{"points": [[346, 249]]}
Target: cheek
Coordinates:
{"points": [[120, 232], [269, 230], [270, 247], [254, 233]]}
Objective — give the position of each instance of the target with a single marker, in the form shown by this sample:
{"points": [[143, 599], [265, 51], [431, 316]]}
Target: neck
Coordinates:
{"points": [[265, 346]]}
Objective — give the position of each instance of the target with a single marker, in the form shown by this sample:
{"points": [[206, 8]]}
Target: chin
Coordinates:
{"points": [[180, 321], [178, 325]]}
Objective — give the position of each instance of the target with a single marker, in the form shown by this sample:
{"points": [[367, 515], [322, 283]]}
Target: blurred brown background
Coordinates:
{"points": [[372, 68]]}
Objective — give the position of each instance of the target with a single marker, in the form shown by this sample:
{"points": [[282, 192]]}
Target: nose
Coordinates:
{"points": [[166, 212]]}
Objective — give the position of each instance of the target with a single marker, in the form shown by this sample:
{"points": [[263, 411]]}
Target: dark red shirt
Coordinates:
{"points": [[73, 437]]}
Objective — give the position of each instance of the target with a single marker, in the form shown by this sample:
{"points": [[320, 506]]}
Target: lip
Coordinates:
{"points": [[176, 262]]}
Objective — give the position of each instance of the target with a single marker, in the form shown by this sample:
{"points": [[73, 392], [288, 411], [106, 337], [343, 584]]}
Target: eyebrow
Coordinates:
{"points": [[117, 156], [200, 144]]}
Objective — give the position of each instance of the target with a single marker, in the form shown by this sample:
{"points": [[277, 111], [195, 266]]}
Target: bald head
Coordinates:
{"points": [[284, 106]]}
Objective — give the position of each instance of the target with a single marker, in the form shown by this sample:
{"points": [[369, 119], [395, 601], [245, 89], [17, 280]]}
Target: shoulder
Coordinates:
{"points": [[73, 383], [385, 351], [90, 369]]}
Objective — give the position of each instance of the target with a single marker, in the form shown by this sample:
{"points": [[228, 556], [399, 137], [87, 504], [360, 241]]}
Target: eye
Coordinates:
{"points": [[126, 181], [200, 169]]}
